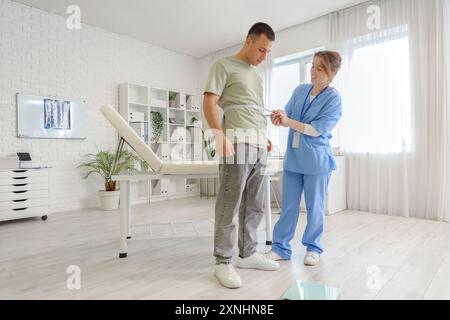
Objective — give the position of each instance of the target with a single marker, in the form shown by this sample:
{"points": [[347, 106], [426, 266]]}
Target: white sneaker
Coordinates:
{"points": [[311, 258], [258, 261], [272, 255], [227, 276]]}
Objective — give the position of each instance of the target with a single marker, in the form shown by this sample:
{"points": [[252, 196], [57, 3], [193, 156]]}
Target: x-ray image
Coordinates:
{"points": [[56, 114], [50, 117]]}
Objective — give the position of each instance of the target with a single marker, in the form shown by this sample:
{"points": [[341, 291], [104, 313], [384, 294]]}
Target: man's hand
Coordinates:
{"points": [[224, 146]]}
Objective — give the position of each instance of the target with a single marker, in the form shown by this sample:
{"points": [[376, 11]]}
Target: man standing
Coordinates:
{"points": [[236, 86]]}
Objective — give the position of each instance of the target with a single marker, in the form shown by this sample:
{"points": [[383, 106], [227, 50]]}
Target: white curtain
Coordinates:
{"points": [[446, 61], [396, 108]]}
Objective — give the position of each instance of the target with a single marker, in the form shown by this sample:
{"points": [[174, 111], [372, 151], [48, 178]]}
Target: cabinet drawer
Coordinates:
{"points": [[23, 173], [24, 213], [20, 195], [21, 180], [26, 203], [23, 187]]}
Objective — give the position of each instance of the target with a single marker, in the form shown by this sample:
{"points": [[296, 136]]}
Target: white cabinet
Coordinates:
{"points": [[193, 103], [192, 188], [163, 152], [165, 187], [336, 198], [143, 107], [23, 193]]}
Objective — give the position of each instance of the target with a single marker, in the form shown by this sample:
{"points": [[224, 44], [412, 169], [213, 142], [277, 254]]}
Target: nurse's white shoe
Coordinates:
{"points": [[258, 261], [272, 255], [311, 258], [227, 276]]}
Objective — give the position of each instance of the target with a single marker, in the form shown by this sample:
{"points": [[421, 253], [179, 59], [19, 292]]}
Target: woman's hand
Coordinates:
{"points": [[269, 146], [274, 118], [279, 118]]}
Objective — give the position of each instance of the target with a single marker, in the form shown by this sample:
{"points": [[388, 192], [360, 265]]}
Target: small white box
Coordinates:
{"points": [[192, 103], [140, 129], [158, 103], [137, 116], [192, 188], [157, 188], [178, 135], [25, 164], [176, 157], [195, 135], [163, 152]]}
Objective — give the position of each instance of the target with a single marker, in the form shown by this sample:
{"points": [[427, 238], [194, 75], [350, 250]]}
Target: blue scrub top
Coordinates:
{"points": [[314, 155]]}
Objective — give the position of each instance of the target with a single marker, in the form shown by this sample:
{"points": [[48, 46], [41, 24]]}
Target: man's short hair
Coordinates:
{"points": [[261, 28]]}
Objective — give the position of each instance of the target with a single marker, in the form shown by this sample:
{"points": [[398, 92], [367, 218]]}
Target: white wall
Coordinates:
{"points": [[40, 56], [302, 37], [306, 36]]}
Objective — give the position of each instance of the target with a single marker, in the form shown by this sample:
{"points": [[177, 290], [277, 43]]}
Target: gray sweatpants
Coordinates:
{"points": [[242, 190]]}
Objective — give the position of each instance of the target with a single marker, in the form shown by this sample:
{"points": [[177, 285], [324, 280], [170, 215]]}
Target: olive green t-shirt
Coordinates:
{"points": [[238, 83]]}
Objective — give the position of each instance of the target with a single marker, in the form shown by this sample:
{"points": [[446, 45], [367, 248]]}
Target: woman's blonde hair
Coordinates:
{"points": [[331, 61]]}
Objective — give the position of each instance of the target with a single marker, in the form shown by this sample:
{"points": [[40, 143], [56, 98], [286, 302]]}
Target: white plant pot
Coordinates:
{"points": [[109, 200]]}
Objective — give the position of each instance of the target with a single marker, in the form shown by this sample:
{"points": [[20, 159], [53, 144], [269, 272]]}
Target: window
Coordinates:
{"points": [[376, 98], [288, 73]]}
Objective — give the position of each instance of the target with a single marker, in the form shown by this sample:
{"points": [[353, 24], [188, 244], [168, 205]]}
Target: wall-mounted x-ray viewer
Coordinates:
{"points": [[50, 117]]}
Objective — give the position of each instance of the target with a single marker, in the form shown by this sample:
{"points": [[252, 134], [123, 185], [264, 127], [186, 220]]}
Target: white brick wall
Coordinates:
{"points": [[40, 56]]}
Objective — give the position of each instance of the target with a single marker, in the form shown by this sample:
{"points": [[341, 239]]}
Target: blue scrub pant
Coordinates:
{"points": [[314, 188]]}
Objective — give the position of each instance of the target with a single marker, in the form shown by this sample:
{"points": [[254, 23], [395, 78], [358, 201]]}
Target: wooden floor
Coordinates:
{"points": [[171, 257]]}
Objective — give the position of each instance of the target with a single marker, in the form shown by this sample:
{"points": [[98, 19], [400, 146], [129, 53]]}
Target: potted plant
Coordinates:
{"points": [[172, 99], [207, 144], [194, 121], [102, 163], [157, 122]]}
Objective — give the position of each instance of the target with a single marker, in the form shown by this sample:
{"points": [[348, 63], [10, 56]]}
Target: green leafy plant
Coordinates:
{"points": [[193, 120], [207, 143], [172, 96], [157, 124], [102, 163]]}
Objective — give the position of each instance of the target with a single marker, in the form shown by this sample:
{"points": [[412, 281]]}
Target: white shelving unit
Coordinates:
{"points": [[179, 138]]}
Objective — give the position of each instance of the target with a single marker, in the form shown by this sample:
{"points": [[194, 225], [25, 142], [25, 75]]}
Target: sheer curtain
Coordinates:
{"points": [[446, 37], [286, 78], [395, 88]]}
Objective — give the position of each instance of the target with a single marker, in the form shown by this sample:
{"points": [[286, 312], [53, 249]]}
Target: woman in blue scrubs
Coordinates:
{"points": [[312, 112]]}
